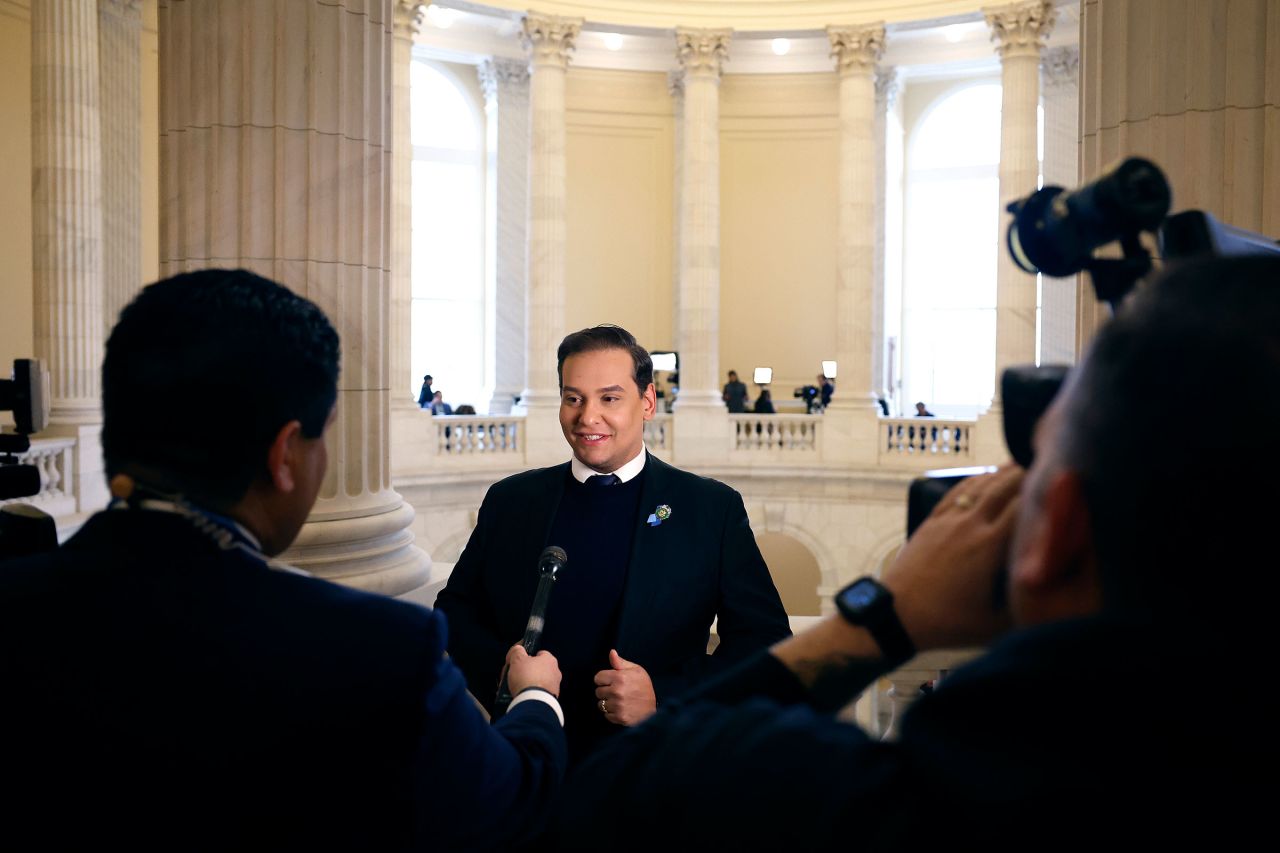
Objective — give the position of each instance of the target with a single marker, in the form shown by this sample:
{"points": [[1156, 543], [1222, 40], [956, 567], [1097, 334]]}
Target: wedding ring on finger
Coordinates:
{"points": [[604, 709]]}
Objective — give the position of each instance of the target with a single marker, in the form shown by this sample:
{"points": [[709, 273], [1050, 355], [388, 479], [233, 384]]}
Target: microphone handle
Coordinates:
{"points": [[532, 635]]}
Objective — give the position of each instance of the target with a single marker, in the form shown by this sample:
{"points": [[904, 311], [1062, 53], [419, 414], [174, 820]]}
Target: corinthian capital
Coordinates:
{"points": [[408, 17], [702, 50], [1061, 66], [856, 48], [498, 75], [1020, 29], [549, 38]]}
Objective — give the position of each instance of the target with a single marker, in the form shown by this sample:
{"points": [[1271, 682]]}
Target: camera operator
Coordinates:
{"points": [[168, 685], [1132, 576]]}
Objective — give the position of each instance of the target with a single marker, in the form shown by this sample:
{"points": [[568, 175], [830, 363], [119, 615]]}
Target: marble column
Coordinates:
{"points": [[1060, 75], [856, 51], [550, 41], [701, 54], [1019, 31], [506, 91], [675, 85], [275, 155], [849, 428], [120, 88], [888, 86], [404, 386], [1194, 87], [66, 227]]}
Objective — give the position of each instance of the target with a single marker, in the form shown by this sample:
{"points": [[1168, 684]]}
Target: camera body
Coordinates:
{"points": [[808, 393]]}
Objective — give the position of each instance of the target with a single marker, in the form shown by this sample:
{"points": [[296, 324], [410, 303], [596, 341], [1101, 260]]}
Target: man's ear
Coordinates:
{"points": [[650, 398], [283, 456], [1058, 550]]}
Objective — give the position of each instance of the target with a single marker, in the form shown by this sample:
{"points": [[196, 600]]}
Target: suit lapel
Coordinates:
{"points": [[653, 556]]}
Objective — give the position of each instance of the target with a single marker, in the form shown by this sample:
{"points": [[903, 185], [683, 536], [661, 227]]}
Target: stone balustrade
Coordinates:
{"points": [[930, 440], [479, 435], [776, 433], [659, 434], [55, 459]]}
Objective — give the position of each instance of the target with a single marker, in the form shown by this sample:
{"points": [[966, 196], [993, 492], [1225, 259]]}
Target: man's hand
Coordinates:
{"points": [[541, 670], [946, 580], [624, 693]]}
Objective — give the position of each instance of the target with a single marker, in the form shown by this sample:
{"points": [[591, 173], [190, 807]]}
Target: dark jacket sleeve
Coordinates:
{"points": [[749, 614], [474, 643], [765, 775], [481, 787]]}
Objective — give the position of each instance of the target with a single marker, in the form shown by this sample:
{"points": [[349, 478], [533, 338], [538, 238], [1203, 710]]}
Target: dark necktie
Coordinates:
{"points": [[603, 480]]}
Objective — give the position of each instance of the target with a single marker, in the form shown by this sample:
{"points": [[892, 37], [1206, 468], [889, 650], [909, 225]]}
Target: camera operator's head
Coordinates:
{"points": [[1146, 498], [218, 385]]}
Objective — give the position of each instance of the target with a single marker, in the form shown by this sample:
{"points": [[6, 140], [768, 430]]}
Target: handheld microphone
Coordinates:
{"points": [[550, 563]]}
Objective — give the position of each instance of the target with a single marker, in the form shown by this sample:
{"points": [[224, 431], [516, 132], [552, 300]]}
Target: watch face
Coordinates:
{"points": [[861, 595]]}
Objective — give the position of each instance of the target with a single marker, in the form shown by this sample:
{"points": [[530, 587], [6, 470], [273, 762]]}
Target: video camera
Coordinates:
{"points": [[23, 528], [1055, 232], [808, 393]]}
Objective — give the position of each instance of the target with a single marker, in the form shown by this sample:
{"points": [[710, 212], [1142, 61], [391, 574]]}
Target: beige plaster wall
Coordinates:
{"points": [[16, 331], [779, 155], [620, 155]]}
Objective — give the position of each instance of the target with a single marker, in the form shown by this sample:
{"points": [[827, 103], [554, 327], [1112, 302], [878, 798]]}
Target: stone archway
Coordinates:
{"points": [[795, 570]]}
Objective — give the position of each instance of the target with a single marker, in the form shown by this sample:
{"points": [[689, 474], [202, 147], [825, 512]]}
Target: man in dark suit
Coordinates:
{"points": [[655, 554], [167, 684], [1132, 571]]}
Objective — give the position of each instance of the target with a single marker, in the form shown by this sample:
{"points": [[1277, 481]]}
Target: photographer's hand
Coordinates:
{"points": [[945, 579], [943, 582]]}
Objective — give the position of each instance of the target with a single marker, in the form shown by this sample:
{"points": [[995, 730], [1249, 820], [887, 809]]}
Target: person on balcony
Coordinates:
{"points": [[425, 394], [1136, 571], [764, 403], [168, 684], [735, 394], [655, 553], [439, 406]]}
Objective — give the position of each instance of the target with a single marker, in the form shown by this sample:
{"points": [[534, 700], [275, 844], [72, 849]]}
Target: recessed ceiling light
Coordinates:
{"points": [[613, 41], [781, 46], [442, 17]]}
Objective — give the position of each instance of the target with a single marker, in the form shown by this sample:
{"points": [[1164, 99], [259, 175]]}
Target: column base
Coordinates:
{"points": [[703, 434], [373, 552]]}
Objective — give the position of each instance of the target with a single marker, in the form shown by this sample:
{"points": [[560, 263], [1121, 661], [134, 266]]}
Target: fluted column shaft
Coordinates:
{"points": [[276, 156], [404, 386], [66, 204], [856, 51], [701, 53], [506, 87], [119, 49], [549, 40], [1019, 30], [675, 85], [887, 86], [1060, 79]]}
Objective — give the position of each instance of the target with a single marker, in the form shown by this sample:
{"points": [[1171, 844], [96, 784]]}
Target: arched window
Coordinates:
{"points": [[950, 252], [447, 131]]}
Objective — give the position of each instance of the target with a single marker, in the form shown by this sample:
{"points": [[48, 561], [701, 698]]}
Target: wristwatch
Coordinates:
{"points": [[867, 603]]}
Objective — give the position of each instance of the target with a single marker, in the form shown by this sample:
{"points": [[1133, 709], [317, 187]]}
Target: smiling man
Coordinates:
{"points": [[655, 554]]}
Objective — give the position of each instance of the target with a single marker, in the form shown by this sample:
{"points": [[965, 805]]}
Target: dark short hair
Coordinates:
{"points": [[607, 337], [201, 372], [1170, 464]]}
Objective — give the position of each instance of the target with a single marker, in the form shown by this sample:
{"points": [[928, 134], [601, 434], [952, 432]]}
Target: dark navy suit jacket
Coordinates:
{"points": [[161, 692], [699, 564]]}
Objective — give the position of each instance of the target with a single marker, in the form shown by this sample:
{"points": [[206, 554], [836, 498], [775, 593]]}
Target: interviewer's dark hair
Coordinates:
{"points": [[607, 337], [1170, 423], [201, 372]]}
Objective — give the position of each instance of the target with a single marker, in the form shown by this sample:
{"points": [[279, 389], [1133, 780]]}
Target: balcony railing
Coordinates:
{"points": [[658, 433], [478, 435], [775, 433], [926, 437], [53, 457]]}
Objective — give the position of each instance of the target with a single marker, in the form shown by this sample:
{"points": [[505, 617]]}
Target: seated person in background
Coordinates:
{"points": [[168, 684], [439, 406], [465, 409], [1133, 571], [922, 412], [764, 403]]}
